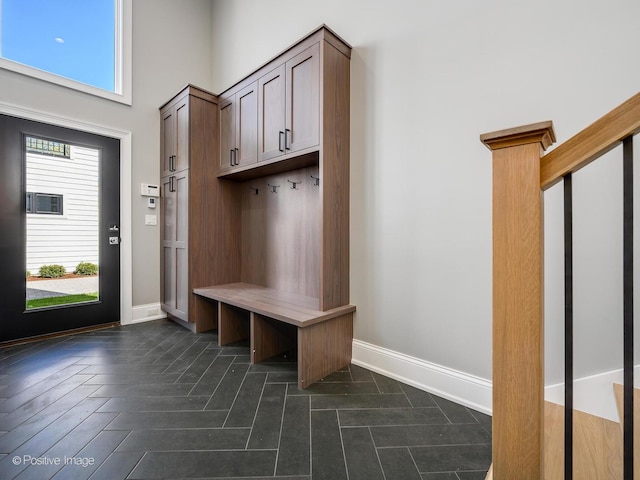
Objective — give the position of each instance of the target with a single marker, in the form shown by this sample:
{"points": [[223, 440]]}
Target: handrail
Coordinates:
{"points": [[592, 142]]}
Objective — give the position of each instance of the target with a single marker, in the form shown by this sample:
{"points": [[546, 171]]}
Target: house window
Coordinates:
{"points": [[48, 147], [82, 45], [44, 203]]}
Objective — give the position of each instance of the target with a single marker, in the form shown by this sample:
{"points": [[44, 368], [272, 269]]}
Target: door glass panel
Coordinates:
{"points": [[62, 223]]}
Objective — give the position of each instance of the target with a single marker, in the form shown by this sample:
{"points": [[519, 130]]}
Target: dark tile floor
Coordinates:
{"points": [[154, 400]]}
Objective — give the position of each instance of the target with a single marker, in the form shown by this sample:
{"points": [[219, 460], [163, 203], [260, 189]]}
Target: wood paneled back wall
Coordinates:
{"points": [[280, 233]]}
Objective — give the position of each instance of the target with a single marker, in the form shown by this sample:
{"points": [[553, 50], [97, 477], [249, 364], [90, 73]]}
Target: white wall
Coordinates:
{"points": [[171, 47], [427, 79], [72, 237]]}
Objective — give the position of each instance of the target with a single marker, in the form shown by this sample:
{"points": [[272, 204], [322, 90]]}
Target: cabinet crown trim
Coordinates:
{"points": [[194, 91], [323, 32]]}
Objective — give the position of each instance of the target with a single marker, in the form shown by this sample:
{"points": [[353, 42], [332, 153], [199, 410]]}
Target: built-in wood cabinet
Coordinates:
{"points": [[303, 123], [270, 224], [239, 128], [189, 143]]}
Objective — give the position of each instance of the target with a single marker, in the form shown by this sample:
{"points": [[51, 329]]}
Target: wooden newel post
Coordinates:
{"points": [[518, 339]]}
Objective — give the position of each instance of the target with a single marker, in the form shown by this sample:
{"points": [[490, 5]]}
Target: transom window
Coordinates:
{"points": [[48, 147], [79, 44]]}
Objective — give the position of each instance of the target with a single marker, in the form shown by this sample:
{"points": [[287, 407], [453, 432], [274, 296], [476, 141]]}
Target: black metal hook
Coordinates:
{"points": [[316, 180]]}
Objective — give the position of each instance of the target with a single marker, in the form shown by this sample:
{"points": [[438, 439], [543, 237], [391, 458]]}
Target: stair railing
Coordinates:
{"points": [[521, 173]]}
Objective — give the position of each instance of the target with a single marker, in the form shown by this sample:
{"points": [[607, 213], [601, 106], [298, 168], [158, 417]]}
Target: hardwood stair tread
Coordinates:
{"points": [[597, 444], [619, 394]]}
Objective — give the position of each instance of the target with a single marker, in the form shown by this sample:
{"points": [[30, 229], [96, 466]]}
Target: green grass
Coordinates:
{"points": [[64, 300]]}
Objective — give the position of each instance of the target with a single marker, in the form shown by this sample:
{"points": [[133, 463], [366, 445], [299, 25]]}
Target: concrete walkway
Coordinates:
{"points": [[58, 287]]}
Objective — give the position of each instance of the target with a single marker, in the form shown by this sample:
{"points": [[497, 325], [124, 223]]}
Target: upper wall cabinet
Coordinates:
{"points": [[174, 132], [289, 106], [239, 128], [290, 94]]}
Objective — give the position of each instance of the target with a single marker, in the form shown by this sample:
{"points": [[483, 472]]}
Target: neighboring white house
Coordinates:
{"points": [[62, 189]]}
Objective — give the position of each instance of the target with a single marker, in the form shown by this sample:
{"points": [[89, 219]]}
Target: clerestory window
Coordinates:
{"points": [[85, 45]]}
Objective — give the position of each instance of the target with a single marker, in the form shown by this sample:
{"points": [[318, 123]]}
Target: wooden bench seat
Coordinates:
{"points": [[277, 321]]}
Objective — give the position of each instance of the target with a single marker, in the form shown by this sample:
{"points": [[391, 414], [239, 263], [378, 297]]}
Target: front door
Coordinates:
{"points": [[59, 229]]}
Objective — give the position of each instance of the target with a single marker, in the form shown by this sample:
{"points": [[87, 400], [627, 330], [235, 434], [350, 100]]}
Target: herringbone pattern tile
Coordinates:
{"points": [[156, 401]]}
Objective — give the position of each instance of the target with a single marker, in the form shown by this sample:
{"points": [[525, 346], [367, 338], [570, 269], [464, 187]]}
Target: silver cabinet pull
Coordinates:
{"points": [[287, 139]]}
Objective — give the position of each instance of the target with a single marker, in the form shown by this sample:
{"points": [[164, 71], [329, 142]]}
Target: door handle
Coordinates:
{"points": [[114, 234], [235, 157], [231, 157], [280, 134], [287, 134], [171, 183]]}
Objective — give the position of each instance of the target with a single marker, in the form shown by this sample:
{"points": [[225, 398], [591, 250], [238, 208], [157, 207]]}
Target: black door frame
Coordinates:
{"points": [[16, 323]]}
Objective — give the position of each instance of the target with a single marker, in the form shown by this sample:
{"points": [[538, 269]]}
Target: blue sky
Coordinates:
{"points": [[71, 38]]}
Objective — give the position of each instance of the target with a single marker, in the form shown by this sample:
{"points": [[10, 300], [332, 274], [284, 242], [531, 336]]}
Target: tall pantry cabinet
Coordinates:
{"points": [[188, 146]]}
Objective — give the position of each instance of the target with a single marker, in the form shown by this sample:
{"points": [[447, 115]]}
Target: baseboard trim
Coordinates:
{"points": [[146, 313], [592, 394], [460, 387]]}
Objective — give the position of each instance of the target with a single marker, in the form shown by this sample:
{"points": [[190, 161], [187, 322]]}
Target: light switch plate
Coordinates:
{"points": [[150, 219]]}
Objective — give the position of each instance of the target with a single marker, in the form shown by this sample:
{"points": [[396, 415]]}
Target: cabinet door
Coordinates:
{"points": [[303, 100], [247, 125], [227, 120], [271, 117], [168, 257], [174, 258], [181, 185], [182, 136], [167, 145]]}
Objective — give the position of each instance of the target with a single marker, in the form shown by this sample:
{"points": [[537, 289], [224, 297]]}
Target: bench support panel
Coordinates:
{"points": [[324, 348]]}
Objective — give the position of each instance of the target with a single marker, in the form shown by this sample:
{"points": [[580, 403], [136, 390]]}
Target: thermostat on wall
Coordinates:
{"points": [[149, 190]]}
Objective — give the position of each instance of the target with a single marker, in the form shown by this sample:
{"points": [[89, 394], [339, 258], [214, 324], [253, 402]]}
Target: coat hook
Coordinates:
{"points": [[316, 180], [255, 190], [274, 188], [295, 184]]}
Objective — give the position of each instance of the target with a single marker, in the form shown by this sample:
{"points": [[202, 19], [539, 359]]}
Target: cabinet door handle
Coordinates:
{"points": [[235, 157], [231, 157], [287, 140], [280, 134], [171, 184], [173, 163]]}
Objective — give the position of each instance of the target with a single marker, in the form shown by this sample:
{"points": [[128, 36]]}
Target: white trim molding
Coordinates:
{"points": [[460, 387], [593, 394], [146, 313], [126, 265]]}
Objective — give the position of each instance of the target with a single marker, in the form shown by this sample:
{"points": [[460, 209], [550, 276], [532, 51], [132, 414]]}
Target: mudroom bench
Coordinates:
{"points": [[276, 322]]}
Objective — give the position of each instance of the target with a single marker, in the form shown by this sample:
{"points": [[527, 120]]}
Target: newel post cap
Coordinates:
{"points": [[541, 132]]}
